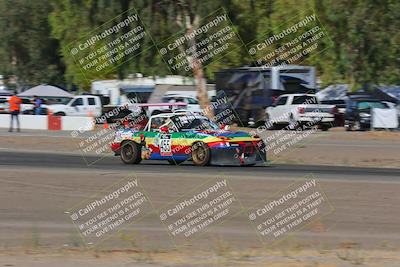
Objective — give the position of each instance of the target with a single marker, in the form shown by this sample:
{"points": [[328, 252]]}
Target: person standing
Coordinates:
{"points": [[15, 107], [38, 104]]}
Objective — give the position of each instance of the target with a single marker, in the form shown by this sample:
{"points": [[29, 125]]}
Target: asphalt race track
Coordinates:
{"points": [[37, 189], [46, 160]]}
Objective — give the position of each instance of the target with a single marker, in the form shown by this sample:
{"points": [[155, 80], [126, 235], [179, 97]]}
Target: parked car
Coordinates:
{"points": [[96, 106], [27, 107], [358, 112], [192, 103], [3, 105], [82, 105], [301, 109]]}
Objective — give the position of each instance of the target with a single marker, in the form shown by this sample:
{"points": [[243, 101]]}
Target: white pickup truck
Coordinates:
{"points": [[82, 105], [300, 109], [94, 105]]}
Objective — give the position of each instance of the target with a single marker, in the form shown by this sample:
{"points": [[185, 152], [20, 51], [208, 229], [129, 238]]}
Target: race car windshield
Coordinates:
{"points": [[194, 123]]}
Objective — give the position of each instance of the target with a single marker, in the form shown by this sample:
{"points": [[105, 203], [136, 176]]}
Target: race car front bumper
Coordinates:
{"points": [[116, 148], [244, 154]]}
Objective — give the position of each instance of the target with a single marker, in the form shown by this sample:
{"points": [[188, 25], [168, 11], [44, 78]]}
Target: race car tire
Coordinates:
{"points": [[201, 154], [130, 153]]}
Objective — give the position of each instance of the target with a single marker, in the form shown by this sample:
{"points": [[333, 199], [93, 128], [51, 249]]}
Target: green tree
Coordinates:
{"points": [[366, 41], [27, 49]]}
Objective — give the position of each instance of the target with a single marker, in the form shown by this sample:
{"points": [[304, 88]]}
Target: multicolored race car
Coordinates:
{"points": [[177, 137]]}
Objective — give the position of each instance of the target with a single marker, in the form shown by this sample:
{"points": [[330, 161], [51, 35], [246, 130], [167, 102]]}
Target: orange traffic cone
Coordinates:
{"points": [[53, 122], [105, 125]]}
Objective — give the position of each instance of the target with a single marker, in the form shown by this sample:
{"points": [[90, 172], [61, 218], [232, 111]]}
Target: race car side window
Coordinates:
{"points": [[171, 126], [156, 123]]}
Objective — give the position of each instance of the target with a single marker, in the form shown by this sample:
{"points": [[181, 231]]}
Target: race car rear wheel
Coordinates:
{"points": [[201, 154], [130, 153]]}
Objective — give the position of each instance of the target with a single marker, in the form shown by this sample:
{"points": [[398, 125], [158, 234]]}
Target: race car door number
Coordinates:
{"points": [[165, 145]]}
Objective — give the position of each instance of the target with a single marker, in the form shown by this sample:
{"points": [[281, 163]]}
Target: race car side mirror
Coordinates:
{"points": [[164, 129]]}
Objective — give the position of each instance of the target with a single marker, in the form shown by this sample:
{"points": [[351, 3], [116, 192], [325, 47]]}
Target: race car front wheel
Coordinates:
{"points": [[130, 153], [201, 154]]}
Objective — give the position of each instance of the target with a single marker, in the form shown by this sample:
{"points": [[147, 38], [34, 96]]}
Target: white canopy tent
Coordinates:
{"points": [[4, 92], [44, 90]]}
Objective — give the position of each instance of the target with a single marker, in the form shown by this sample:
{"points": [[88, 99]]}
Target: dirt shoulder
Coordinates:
{"points": [[335, 147], [297, 257]]}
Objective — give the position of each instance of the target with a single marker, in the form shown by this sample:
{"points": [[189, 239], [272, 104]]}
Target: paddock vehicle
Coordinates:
{"points": [[192, 103], [251, 89], [358, 112], [301, 109], [177, 137], [96, 106], [26, 106]]}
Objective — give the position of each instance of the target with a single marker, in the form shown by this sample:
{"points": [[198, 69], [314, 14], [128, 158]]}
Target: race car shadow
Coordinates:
{"points": [[190, 165]]}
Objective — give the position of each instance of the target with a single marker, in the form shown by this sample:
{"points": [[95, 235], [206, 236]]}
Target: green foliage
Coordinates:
{"points": [[27, 49], [366, 41], [36, 35]]}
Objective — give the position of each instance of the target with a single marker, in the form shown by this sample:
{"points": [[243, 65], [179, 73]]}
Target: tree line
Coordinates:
{"points": [[364, 36]]}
